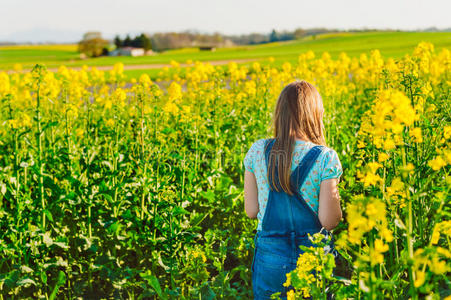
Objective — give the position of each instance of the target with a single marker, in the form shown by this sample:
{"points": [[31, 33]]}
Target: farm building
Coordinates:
{"points": [[129, 51]]}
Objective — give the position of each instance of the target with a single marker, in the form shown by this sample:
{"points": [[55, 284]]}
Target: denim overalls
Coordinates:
{"points": [[285, 225]]}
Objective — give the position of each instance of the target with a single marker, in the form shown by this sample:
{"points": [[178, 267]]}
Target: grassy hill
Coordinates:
{"points": [[391, 44]]}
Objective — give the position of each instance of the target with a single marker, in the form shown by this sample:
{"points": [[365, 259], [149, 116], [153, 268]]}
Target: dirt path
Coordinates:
{"points": [[153, 66]]}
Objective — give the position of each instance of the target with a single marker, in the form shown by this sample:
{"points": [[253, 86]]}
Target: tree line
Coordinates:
{"points": [[139, 41], [94, 45]]}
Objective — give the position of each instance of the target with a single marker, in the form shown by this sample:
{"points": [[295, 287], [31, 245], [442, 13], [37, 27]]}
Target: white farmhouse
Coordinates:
{"points": [[128, 51]]}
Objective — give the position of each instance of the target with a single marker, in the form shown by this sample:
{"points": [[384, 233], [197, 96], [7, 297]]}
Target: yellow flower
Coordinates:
{"points": [[437, 163], [447, 154], [118, 67], [175, 91], [174, 64], [438, 266], [408, 168], [144, 79], [171, 108], [416, 134], [290, 295], [379, 246], [396, 185], [287, 283], [383, 157], [108, 104], [79, 132], [120, 94], [4, 83], [286, 67], [387, 234], [389, 144], [420, 278], [374, 166], [371, 209], [371, 179], [435, 235], [14, 123], [109, 123], [447, 132], [186, 109]]}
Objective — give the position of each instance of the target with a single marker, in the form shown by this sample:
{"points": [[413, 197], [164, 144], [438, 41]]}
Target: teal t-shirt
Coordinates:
{"points": [[326, 166]]}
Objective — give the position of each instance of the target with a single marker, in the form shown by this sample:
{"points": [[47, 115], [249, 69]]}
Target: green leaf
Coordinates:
{"points": [[160, 261], [155, 284], [59, 282], [206, 292], [26, 269], [49, 215], [178, 210], [25, 282], [61, 245]]}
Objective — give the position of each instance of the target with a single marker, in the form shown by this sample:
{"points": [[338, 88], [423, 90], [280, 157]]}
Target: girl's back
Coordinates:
{"points": [[326, 166]]}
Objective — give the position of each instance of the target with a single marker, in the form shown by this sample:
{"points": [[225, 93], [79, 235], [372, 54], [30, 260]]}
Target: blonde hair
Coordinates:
{"points": [[298, 114]]}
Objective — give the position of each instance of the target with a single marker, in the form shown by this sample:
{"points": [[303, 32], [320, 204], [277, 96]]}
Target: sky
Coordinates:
{"points": [[67, 20]]}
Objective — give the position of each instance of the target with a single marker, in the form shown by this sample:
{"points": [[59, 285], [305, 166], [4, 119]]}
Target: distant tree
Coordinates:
{"points": [[299, 33], [285, 36], [127, 41], [273, 37], [117, 41], [92, 44], [146, 43], [136, 42]]}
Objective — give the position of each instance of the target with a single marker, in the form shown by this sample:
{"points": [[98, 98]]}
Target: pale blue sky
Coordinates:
{"points": [[67, 18]]}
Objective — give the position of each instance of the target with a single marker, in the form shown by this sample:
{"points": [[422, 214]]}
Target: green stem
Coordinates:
{"points": [[409, 232], [39, 142]]}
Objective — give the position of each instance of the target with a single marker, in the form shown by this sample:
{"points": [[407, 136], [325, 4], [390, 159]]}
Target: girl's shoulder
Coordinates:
{"points": [[330, 165], [258, 145], [328, 155], [328, 151], [327, 163], [254, 154]]}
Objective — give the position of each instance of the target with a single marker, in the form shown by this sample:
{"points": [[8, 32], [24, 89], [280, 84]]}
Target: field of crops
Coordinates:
{"points": [[390, 44], [134, 190]]}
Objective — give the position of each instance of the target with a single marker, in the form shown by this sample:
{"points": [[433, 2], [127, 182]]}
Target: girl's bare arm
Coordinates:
{"points": [[250, 195], [329, 211]]}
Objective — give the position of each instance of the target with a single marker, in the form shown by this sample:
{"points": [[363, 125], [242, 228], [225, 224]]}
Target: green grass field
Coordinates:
{"points": [[391, 44]]}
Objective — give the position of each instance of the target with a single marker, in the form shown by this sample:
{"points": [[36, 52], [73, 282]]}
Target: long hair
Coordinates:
{"points": [[298, 114]]}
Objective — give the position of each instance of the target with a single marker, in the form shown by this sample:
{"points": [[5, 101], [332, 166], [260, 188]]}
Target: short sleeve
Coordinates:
{"points": [[331, 165], [250, 157]]}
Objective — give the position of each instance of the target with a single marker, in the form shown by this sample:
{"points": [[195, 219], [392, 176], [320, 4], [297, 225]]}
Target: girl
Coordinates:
{"points": [[290, 186]]}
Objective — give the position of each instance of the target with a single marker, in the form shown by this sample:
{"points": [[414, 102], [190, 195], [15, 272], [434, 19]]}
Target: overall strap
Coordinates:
{"points": [[302, 170]]}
